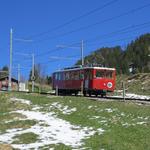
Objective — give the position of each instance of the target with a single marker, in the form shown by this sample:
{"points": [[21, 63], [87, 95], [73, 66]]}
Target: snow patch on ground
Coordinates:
{"points": [[36, 108], [110, 110], [89, 107], [24, 101], [56, 131], [100, 130], [15, 119], [64, 109], [132, 80], [142, 122], [122, 114], [103, 121], [131, 95], [95, 117], [133, 124]]}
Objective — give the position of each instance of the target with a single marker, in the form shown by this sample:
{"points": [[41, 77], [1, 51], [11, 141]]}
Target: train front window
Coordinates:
{"points": [[100, 74], [109, 74], [104, 74]]}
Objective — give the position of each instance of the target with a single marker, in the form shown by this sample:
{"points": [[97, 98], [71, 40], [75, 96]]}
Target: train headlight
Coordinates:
{"points": [[109, 85]]}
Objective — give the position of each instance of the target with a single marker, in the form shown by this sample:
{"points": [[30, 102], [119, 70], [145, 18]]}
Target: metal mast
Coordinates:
{"points": [[33, 76], [10, 60], [82, 57]]}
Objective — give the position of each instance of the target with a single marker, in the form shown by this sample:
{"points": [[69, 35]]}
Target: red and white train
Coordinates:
{"points": [[89, 80]]}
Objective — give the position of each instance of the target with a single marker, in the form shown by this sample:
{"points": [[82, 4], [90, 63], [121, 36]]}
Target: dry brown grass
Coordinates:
{"points": [[5, 147]]}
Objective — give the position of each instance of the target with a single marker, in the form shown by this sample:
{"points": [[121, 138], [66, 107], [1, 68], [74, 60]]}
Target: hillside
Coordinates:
{"points": [[136, 53], [137, 84]]}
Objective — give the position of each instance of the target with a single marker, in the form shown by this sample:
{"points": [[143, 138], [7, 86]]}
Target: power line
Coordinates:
{"points": [[122, 30], [65, 58], [121, 39], [54, 50], [56, 59], [125, 38], [62, 58], [103, 21], [23, 40], [97, 23], [75, 19], [47, 52], [104, 36]]}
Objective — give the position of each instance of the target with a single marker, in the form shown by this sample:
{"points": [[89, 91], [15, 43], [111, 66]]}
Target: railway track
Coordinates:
{"points": [[107, 98], [126, 99], [112, 98]]}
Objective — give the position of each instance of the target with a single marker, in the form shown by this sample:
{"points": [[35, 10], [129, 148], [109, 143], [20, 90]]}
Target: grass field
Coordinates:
{"points": [[65, 123]]}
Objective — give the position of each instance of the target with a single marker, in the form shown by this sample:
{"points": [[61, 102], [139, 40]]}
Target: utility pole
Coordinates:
{"points": [[82, 58], [18, 76], [82, 63], [123, 85], [33, 76], [10, 59]]}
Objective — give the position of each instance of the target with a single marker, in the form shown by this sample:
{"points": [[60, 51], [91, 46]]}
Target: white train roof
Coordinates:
{"points": [[82, 68]]}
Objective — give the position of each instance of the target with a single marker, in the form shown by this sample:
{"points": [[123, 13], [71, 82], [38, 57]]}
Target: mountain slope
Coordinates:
{"points": [[136, 53]]}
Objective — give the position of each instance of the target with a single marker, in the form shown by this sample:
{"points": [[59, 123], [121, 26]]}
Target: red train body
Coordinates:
{"points": [[89, 80]]}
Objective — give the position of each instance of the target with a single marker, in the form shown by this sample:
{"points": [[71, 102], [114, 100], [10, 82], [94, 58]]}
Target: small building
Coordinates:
{"points": [[132, 68], [4, 83], [22, 87]]}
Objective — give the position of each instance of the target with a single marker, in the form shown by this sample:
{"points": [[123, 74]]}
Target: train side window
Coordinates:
{"points": [[72, 75], [56, 76], [67, 76], [59, 76], [63, 76], [76, 75]]}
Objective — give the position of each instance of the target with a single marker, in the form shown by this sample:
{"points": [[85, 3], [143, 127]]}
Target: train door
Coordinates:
{"points": [[87, 79]]}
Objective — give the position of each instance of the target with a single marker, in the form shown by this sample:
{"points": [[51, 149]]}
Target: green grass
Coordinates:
{"points": [[25, 124], [122, 130], [25, 138], [40, 88], [56, 147], [9, 119]]}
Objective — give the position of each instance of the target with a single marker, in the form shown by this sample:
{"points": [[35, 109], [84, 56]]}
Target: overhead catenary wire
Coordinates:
{"points": [[62, 58], [104, 36], [58, 58], [97, 23], [131, 11], [54, 50], [109, 19], [121, 39], [122, 31], [75, 19]]}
